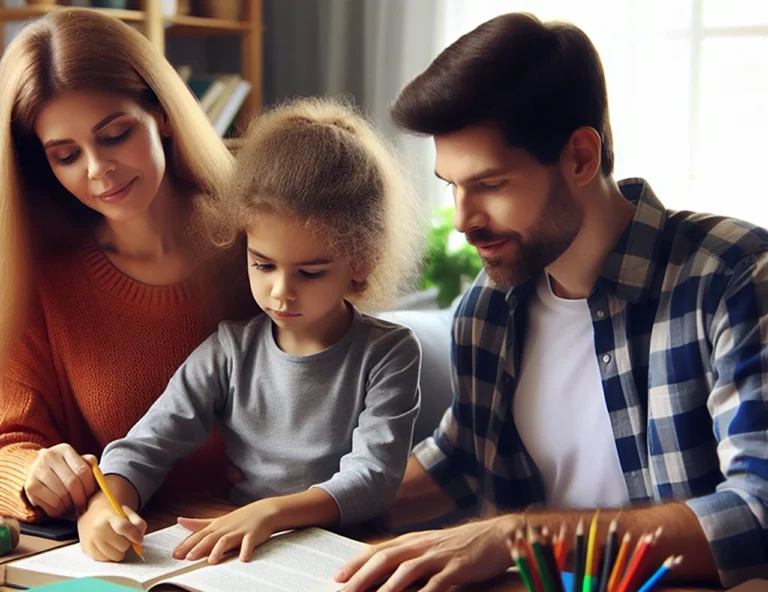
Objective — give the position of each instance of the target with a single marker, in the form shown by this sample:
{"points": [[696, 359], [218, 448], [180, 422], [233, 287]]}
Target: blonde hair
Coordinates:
{"points": [[81, 50], [322, 164]]}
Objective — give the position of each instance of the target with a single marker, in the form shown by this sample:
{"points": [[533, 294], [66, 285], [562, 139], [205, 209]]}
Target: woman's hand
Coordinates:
{"points": [[245, 528], [104, 535], [60, 481]]}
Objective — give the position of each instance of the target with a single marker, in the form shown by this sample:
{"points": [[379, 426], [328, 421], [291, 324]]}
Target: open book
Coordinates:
{"points": [[299, 560]]}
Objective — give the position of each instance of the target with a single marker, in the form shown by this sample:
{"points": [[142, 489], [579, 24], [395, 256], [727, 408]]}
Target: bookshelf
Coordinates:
{"points": [[157, 27]]}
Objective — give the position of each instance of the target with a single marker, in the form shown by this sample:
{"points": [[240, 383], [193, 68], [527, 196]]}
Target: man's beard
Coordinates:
{"points": [[549, 237]]}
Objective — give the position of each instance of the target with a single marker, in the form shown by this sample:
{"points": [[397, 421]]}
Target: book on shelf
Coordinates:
{"points": [[221, 98], [303, 560], [229, 110]]}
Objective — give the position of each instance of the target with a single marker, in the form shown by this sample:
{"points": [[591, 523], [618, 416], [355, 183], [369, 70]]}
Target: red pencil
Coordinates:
{"points": [[634, 565], [523, 543], [560, 550]]}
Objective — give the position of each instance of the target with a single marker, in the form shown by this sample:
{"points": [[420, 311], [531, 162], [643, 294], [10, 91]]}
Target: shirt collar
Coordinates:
{"points": [[630, 268]]}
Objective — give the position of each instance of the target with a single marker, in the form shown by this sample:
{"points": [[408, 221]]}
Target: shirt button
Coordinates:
{"points": [[600, 314], [606, 358]]}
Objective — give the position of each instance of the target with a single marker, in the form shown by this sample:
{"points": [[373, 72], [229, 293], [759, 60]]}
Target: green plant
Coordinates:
{"points": [[451, 263]]}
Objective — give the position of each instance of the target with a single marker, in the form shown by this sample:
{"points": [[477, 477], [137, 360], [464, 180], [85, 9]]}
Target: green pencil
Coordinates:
{"points": [[541, 561], [520, 557]]}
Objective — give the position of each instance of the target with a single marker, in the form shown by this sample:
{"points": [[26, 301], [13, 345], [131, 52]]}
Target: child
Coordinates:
{"points": [[315, 400]]}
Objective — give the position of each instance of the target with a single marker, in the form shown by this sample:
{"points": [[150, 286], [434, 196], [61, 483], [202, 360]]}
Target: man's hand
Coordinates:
{"points": [[465, 554], [60, 481]]}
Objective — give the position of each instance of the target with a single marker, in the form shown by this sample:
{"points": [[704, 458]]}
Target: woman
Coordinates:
{"points": [[106, 284]]}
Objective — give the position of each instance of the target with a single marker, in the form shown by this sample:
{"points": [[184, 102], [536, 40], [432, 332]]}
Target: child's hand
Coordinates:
{"points": [[246, 528], [104, 535]]}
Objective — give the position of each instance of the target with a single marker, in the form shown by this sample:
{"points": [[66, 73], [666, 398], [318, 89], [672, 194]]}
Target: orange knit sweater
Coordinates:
{"points": [[97, 350]]}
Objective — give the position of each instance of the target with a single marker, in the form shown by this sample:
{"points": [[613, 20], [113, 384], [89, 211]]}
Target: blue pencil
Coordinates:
{"points": [[671, 562]]}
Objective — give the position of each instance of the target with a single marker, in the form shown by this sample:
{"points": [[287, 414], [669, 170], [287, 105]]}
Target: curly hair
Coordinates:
{"points": [[321, 163]]}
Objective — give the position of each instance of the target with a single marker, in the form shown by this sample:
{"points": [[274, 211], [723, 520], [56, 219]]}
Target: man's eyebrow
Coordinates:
{"points": [[485, 173]]}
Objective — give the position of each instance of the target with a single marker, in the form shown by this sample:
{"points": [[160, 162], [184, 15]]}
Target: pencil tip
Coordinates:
{"points": [[614, 525]]}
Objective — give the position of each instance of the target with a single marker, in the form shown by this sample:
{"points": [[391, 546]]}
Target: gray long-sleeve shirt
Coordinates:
{"points": [[341, 419]]}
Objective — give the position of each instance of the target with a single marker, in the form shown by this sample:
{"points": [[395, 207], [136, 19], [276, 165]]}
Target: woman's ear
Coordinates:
{"points": [[163, 123]]}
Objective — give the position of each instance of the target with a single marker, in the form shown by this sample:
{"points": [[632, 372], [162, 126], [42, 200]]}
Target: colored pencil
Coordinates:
{"points": [[669, 564], [590, 565], [609, 556], [549, 555], [523, 543], [560, 549], [99, 476], [579, 557], [620, 563], [634, 565], [547, 578], [520, 557]]}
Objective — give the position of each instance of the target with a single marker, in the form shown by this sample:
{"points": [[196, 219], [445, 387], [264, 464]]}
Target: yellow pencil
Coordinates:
{"points": [[113, 502], [589, 568]]}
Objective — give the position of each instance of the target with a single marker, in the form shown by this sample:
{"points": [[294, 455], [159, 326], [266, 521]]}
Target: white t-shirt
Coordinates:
{"points": [[559, 406]]}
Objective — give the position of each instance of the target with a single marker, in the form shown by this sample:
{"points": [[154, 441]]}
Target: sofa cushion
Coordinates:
{"points": [[433, 330]]}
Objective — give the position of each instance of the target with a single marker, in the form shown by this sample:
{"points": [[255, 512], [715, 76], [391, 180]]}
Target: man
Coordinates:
{"points": [[611, 355]]}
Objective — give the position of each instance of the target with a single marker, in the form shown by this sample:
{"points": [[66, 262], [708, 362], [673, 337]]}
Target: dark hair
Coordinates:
{"points": [[539, 82]]}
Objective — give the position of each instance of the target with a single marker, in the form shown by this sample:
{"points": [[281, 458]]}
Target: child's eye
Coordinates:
{"points": [[264, 266], [312, 275]]}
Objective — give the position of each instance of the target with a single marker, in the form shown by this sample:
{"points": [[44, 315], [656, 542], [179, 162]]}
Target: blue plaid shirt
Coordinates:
{"points": [[680, 317]]}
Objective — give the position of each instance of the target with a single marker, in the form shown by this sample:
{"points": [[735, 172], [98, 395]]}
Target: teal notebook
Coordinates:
{"points": [[83, 585]]}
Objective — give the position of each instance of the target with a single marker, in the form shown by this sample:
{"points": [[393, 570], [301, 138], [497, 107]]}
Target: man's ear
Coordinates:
{"points": [[581, 157]]}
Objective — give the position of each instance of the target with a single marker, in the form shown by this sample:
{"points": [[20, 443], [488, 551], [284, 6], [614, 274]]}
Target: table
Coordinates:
{"points": [[162, 517]]}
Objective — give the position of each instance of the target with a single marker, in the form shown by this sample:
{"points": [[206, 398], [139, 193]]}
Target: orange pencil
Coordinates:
{"points": [[634, 564], [621, 561], [560, 550], [99, 476]]}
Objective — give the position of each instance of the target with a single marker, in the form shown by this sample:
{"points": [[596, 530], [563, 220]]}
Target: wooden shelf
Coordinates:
{"points": [[197, 25], [20, 13], [157, 26]]}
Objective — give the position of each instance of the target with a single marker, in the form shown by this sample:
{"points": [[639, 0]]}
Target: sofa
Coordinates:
{"points": [[433, 330]]}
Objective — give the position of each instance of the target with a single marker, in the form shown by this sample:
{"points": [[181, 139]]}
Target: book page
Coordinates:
{"points": [[71, 562], [303, 560]]}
